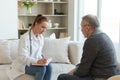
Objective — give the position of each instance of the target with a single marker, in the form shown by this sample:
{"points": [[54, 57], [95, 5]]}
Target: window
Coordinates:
{"points": [[110, 21], [90, 7], [109, 15]]}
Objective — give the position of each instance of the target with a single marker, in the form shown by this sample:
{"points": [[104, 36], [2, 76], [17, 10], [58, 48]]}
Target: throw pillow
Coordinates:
{"points": [[5, 57], [51, 36], [57, 49]]}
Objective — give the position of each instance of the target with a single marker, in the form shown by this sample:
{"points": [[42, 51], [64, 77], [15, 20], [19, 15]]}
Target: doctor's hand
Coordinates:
{"points": [[42, 61]]}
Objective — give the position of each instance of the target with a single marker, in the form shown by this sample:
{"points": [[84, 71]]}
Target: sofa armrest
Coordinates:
{"points": [[74, 52]]}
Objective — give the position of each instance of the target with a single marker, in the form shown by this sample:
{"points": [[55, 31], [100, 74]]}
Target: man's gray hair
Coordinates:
{"points": [[92, 20]]}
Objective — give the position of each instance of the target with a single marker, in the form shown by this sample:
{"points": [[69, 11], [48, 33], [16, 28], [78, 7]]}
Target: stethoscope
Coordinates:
{"points": [[30, 40]]}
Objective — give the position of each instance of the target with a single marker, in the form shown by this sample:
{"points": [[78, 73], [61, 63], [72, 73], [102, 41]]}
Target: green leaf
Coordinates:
{"points": [[28, 4]]}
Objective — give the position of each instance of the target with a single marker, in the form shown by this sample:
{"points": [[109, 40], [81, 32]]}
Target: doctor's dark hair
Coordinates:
{"points": [[38, 19], [92, 20]]}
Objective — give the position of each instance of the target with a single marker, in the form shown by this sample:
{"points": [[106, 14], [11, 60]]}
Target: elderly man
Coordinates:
{"points": [[98, 60]]}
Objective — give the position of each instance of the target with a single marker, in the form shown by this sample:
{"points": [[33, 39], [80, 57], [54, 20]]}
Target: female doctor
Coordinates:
{"points": [[30, 50]]}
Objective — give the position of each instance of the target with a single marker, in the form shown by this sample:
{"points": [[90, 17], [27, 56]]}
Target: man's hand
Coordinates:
{"points": [[72, 71]]}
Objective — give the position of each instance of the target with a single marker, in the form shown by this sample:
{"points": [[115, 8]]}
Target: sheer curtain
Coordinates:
{"points": [[110, 22]]}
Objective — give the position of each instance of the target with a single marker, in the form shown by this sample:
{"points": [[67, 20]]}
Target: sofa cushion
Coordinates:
{"points": [[13, 48], [59, 68], [5, 57], [25, 77], [3, 75], [75, 52], [57, 49]]}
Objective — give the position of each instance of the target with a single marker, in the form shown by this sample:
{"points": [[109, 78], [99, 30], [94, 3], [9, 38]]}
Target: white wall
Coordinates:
{"points": [[8, 19]]}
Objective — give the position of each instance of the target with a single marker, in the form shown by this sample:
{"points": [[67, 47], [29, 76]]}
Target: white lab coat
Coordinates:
{"points": [[25, 58]]}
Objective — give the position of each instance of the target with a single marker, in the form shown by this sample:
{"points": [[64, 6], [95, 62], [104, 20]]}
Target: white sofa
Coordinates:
{"points": [[74, 55]]}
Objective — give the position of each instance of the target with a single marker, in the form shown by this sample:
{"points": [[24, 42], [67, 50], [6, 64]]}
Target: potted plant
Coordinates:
{"points": [[28, 4]]}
